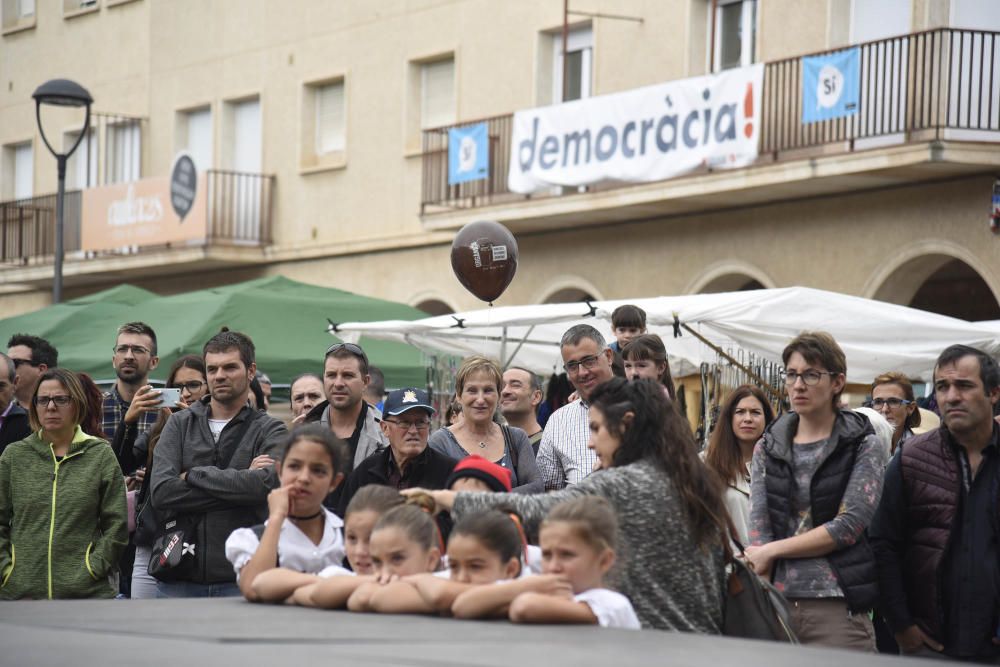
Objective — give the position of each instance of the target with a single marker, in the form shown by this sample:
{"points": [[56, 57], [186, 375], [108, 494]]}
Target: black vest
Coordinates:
{"points": [[854, 566]]}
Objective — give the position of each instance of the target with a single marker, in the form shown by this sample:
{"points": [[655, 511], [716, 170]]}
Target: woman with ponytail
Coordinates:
{"points": [[669, 506]]}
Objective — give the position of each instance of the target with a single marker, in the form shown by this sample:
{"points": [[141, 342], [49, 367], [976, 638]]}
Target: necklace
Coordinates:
{"points": [[305, 518], [482, 445]]}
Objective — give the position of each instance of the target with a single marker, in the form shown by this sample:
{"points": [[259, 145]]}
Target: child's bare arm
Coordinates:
{"points": [[493, 601], [542, 608], [399, 597], [277, 584], [303, 595], [334, 592], [361, 598], [437, 592]]}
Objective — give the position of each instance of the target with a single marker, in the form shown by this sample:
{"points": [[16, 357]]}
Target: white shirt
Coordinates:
{"points": [[563, 457], [295, 550], [612, 609], [216, 426]]}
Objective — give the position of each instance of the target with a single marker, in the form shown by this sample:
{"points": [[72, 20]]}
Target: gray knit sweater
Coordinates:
{"points": [[672, 584]]}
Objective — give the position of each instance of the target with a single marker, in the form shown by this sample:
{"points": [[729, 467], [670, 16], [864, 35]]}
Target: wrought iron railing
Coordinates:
{"points": [[942, 83], [239, 212]]}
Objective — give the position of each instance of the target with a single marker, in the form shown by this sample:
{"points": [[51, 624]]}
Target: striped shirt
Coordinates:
{"points": [[563, 457]]}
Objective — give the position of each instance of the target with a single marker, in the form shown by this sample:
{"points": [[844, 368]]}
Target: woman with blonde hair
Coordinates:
{"points": [[478, 386]]}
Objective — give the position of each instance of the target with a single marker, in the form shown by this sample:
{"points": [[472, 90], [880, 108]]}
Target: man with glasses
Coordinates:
{"points": [[407, 462], [13, 418], [32, 356], [563, 457], [132, 403], [345, 412]]}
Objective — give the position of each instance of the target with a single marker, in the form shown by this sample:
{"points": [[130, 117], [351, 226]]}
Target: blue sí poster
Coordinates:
{"points": [[830, 85], [468, 153]]}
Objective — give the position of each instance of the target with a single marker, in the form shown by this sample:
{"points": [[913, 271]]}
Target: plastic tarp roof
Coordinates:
{"points": [[876, 336]]}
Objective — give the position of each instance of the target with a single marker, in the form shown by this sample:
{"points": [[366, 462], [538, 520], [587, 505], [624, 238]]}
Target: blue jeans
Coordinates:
{"points": [[186, 589]]}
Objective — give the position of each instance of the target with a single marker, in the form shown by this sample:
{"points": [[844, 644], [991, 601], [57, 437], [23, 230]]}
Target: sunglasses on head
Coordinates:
{"points": [[350, 347]]}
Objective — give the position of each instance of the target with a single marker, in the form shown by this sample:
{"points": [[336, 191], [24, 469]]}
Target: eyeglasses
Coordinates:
{"points": [[421, 425], [879, 403], [60, 401], [350, 347], [21, 362], [810, 378], [590, 363], [190, 387], [137, 350]]}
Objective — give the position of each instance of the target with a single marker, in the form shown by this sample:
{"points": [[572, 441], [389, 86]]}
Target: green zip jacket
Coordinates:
{"points": [[63, 524]]}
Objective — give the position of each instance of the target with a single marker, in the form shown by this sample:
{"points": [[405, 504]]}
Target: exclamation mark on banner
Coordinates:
{"points": [[748, 111]]}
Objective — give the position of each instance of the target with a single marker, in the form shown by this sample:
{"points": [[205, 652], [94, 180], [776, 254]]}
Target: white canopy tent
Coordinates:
{"points": [[876, 336]]}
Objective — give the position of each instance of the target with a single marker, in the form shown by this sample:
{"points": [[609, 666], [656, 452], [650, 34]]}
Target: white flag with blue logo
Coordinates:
{"points": [[468, 153], [830, 85]]}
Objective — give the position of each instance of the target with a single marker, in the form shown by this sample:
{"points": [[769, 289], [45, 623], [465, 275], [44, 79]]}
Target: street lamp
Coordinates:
{"points": [[61, 93]]}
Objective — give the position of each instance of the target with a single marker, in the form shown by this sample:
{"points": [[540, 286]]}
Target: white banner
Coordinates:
{"points": [[641, 135]]}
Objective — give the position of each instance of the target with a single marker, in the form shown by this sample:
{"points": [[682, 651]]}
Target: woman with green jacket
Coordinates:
{"points": [[63, 519]]}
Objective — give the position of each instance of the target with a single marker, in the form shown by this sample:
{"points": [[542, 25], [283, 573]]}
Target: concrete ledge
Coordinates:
{"points": [[223, 632]]}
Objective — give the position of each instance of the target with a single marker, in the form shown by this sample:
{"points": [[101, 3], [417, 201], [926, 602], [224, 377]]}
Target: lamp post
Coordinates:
{"points": [[61, 93]]}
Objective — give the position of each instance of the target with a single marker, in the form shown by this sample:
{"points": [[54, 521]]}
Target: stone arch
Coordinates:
{"points": [[937, 276], [729, 276], [433, 304], [569, 289]]}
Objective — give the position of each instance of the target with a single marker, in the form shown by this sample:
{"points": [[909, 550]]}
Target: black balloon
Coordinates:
{"points": [[484, 258]]}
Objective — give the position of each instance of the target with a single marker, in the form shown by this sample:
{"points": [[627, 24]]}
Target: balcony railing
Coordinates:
{"points": [[938, 84], [239, 212]]}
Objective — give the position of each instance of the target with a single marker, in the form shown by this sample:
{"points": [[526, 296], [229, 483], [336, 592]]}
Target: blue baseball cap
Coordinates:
{"points": [[404, 400]]}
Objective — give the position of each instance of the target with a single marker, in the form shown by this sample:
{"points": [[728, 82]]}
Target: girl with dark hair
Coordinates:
{"points": [[672, 521], [188, 374], [645, 356], [65, 549], [742, 420]]}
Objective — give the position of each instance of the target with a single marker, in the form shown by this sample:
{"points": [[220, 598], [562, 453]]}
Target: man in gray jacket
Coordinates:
{"points": [[216, 460]]}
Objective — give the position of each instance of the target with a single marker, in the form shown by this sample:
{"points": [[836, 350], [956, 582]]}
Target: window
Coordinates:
{"points": [[81, 170], [735, 31], [579, 65], [17, 170], [73, 7], [330, 118], [437, 93], [194, 135], [244, 136], [17, 14], [123, 152]]}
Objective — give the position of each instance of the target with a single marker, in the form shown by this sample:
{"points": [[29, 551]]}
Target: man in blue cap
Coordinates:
{"points": [[408, 462]]}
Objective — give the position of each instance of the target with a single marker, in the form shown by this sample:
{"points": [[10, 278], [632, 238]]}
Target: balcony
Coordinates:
{"points": [[237, 214], [929, 109]]}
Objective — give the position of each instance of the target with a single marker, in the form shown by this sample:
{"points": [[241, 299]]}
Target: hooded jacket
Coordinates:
{"points": [[228, 497], [854, 565], [371, 439], [63, 523]]}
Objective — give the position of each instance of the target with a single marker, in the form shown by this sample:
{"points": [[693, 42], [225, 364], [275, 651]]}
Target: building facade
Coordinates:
{"points": [[320, 129]]}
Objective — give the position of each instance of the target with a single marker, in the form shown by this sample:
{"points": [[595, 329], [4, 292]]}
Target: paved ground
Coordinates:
{"points": [[224, 632]]}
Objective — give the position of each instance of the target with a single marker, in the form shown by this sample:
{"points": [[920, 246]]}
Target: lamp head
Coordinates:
{"points": [[62, 92]]}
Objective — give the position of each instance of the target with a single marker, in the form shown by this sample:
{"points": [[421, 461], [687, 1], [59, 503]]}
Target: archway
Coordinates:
{"points": [[434, 307], [941, 284], [569, 295], [732, 282]]}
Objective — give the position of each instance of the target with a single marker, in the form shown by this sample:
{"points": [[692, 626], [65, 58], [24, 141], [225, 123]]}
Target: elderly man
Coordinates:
{"points": [[13, 418], [408, 462], [563, 457], [935, 532], [305, 393]]}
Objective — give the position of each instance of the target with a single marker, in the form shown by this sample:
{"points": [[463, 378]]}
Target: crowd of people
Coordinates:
{"points": [[880, 534]]}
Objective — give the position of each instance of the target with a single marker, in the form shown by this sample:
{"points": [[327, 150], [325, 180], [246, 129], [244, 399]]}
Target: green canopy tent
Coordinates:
{"points": [[83, 330], [286, 319]]}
